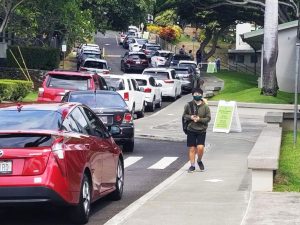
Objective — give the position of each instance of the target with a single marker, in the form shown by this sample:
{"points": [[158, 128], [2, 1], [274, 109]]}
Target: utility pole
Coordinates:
{"points": [[297, 78]]}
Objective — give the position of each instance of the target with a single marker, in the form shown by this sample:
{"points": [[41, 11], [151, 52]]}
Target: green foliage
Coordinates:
{"points": [[242, 87], [288, 175], [166, 18], [14, 90], [35, 57], [31, 97]]}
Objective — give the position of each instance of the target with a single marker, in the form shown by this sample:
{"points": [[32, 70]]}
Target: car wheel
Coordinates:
{"points": [[128, 146], [117, 194], [152, 105], [133, 111], [179, 96], [80, 214], [175, 96], [141, 114], [159, 105]]}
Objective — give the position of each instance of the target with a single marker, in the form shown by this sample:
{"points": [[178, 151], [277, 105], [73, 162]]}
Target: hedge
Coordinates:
{"points": [[35, 57], [14, 90]]}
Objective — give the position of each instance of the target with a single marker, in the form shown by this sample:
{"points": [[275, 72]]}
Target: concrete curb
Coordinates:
{"points": [[159, 138], [258, 105]]}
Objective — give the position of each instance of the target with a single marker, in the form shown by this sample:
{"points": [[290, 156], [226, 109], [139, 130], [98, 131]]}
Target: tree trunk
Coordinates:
{"points": [[270, 86]]}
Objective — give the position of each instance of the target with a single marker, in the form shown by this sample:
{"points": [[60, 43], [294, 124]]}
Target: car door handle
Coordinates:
{"points": [[87, 146]]}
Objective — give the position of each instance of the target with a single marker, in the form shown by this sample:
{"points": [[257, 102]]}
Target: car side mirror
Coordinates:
{"points": [[115, 130]]}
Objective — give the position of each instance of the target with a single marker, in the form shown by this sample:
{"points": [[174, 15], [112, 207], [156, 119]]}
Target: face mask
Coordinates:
{"points": [[197, 98]]}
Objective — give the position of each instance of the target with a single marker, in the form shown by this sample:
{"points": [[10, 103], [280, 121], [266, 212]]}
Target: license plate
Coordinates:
{"points": [[138, 62], [103, 119], [5, 167]]}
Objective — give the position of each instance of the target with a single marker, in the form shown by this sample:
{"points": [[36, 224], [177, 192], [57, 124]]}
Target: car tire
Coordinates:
{"points": [[118, 192], [80, 214], [141, 114], [152, 105], [128, 146], [159, 104], [175, 96], [133, 110]]}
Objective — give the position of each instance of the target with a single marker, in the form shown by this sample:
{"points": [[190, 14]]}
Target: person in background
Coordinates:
{"points": [[190, 54], [199, 56], [218, 63], [182, 50]]}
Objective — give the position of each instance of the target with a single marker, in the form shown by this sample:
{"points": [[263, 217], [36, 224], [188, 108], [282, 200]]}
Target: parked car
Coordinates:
{"points": [[95, 65], [134, 61], [160, 58], [60, 154], [152, 90], [128, 39], [111, 109], [129, 89], [57, 83], [150, 49], [136, 44], [87, 47], [174, 59], [193, 64], [88, 53], [169, 81], [188, 77]]}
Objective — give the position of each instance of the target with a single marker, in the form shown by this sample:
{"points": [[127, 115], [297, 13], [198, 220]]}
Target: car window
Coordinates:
{"points": [[25, 140], [97, 127], [129, 84], [137, 56], [80, 120], [165, 55], [153, 48], [103, 84], [141, 82], [182, 57], [141, 41], [173, 74], [152, 81], [29, 120], [69, 82], [158, 75], [117, 83], [70, 125], [95, 64], [182, 71]]}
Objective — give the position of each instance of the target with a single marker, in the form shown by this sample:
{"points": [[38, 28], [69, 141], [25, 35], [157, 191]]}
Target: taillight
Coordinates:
{"points": [[127, 118], [106, 72], [35, 165], [126, 96], [147, 52], [118, 118], [82, 69], [59, 154], [41, 92], [169, 81], [129, 61], [147, 90]]}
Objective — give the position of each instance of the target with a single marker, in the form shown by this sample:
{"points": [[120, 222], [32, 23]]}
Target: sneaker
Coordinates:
{"points": [[191, 169], [201, 166]]}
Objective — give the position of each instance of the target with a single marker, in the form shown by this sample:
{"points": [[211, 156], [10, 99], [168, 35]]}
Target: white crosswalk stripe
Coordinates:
{"points": [[131, 160], [163, 163]]}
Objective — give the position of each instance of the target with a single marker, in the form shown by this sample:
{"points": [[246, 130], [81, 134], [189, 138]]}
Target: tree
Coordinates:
{"points": [[8, 7]]}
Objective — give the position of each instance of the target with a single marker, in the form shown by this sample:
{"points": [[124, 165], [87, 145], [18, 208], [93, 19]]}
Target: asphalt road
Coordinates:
{"points": [[139, 179]]}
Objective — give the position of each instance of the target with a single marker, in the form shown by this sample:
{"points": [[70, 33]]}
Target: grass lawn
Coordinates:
{"points": [[31, 97], [242, 87], [288, 175]]}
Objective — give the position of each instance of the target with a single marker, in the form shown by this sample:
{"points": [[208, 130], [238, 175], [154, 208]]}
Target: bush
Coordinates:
{"points": [[168, 34], [178, 31], [14, 90], [35, 57], [153, 28]]}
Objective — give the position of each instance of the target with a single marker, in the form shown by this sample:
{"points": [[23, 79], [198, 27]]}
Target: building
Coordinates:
{"points": [[286, 62]]}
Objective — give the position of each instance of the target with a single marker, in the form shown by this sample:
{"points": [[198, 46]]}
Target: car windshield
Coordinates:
{"points": [[158, 75], [141, 82], [29, 120], [141, 41], [117, 83], [181, 71], [138, 56], [153, 48], [95, 64], [91, 55], [69, 82], [187, 65], [182, 57], [99, 100]]}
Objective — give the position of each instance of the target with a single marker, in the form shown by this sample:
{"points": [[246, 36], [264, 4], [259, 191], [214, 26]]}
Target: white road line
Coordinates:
{"points": [[127, 212], [131, 160], [163, 163]]}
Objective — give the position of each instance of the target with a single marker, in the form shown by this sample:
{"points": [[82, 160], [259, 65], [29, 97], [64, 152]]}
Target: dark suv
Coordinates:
{"points": [[134, 61]]}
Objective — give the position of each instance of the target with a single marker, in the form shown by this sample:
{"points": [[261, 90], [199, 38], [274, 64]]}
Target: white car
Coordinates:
{"points": [[170, 82], [134, 28], [137, 44], [91, 47], [152, 90], [160, 57], [129, 89], [185, 63], [95, 65]]}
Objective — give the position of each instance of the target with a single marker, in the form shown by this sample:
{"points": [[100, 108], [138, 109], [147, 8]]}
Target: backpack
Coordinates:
{"points": [[186, 122]]}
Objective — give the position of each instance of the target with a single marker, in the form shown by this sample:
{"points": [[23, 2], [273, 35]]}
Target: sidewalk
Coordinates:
{"points": [[218, 196]]}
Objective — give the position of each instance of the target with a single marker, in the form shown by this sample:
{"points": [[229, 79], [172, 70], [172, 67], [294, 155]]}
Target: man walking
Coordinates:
{"points": [[197, 113]]}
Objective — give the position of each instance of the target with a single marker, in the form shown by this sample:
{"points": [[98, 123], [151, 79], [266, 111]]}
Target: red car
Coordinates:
{"points": [[60, 154], [57, 83]]}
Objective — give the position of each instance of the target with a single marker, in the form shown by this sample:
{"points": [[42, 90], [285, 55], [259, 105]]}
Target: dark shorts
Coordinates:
{"points": [[194, 138]]}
